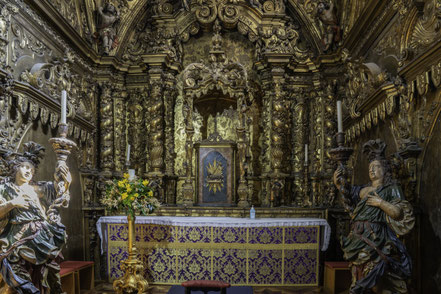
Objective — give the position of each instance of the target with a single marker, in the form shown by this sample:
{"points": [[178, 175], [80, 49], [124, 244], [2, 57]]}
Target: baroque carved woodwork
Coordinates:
{"points": [[277, 66]]}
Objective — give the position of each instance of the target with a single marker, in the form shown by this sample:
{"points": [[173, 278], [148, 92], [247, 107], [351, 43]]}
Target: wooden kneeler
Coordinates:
{"points": [[205, 286], [76, 276], [337, 277]]}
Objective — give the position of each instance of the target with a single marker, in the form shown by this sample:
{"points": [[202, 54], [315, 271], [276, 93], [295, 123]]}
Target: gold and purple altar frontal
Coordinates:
{"points": [[234, 250]]}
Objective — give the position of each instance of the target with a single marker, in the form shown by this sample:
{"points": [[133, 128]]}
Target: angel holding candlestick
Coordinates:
{"points": [[31, 241], [378, 259]]}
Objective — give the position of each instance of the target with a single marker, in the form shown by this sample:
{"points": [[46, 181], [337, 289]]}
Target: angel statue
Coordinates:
{"points": [[108, 19], [327, 15], [379, 214], [30, 240]]}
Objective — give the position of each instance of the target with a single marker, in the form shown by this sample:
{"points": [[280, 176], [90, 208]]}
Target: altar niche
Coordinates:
{"points": [[215, 108], [215, 173], [216, 151]]}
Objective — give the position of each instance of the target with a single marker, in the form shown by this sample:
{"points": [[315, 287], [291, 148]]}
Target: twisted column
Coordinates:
{"points": [[106, 128]]}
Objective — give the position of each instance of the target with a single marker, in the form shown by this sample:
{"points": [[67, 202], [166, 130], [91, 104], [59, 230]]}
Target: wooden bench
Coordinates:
{"points": [[68, 280], [337, 277], [76, 276], [205, 286]]}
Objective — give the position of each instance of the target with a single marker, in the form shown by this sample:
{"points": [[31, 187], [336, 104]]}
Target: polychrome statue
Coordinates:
{"points": [[379, 214], [31, 234]]}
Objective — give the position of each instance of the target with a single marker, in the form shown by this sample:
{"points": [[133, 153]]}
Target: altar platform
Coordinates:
{"points": [[241, 251]]}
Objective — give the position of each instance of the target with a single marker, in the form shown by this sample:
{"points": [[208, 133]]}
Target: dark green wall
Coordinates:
{"points": [[430, 195]]}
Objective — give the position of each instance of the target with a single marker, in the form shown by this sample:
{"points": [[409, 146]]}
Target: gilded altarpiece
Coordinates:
{"points": [[384, 64]]}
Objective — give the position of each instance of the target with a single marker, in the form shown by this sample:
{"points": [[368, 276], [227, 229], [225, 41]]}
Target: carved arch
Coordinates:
{"points": [[313, 33], [248, 20]]}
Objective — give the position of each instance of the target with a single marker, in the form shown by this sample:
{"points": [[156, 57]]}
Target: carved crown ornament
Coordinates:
{"points": [[279, 36], [220, 73]]}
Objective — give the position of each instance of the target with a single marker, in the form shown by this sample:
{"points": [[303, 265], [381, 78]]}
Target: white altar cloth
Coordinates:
{"points": [[186, 221]]}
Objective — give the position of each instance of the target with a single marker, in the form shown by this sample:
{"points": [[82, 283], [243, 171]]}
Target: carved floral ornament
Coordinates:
{"points": [[427, 29], [50, 79], [281, 36], [407, 93], [5, 18], [362, 80]]}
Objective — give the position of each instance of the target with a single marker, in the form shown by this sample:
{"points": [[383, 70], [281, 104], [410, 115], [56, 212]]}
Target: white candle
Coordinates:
{"points": [[63, 106], [131, 174], [128, 153], [306, 153], [339, 117]]}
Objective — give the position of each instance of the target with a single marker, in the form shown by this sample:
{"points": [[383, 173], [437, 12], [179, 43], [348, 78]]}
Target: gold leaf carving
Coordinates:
{"points": [[422, 82], [436, 74]]}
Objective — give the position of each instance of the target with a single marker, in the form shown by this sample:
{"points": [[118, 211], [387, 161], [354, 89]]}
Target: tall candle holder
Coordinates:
{"points": [[306, 200], [133, 280], [62, 147], [341, 155]]}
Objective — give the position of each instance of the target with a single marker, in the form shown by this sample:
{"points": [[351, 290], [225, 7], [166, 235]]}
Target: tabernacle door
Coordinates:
{"points": [[215, 174]]}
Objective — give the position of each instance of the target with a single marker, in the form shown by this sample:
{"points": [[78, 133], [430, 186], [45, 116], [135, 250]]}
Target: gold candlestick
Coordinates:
{"points": [[62, 148], [341, 155], [61, 145], [133, 280]]}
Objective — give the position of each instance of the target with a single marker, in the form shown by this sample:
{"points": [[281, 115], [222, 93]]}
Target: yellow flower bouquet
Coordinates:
{"points": [[130, 196]]}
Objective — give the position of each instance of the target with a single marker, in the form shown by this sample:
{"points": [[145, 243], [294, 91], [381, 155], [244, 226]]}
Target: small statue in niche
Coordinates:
{"points": [[108, 19], [378, 259], [156, 185], [327, 15], [31, 241], [277, 193]]}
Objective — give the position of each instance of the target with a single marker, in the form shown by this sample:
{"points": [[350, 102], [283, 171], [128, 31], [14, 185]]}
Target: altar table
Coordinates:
{"points": [[240, 251]]}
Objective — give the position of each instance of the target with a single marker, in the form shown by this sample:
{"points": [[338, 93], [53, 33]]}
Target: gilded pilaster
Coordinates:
{"points": [[107, 128], [6, 10], [278, 137], [298, 140], [278, 123], [188, 188], [316, 143], [170, 94], [6, 122], [328, 193], [135, 128], [265, 141], [242, 190], [274, 125], [119, 127], [156, 122]]}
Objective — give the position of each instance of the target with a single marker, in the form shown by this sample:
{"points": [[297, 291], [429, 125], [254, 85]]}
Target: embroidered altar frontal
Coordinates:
{"points": [[171, 254]]}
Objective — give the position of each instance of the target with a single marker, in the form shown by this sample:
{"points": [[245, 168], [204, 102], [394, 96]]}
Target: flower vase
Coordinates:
{"points": [[133, 280]]}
